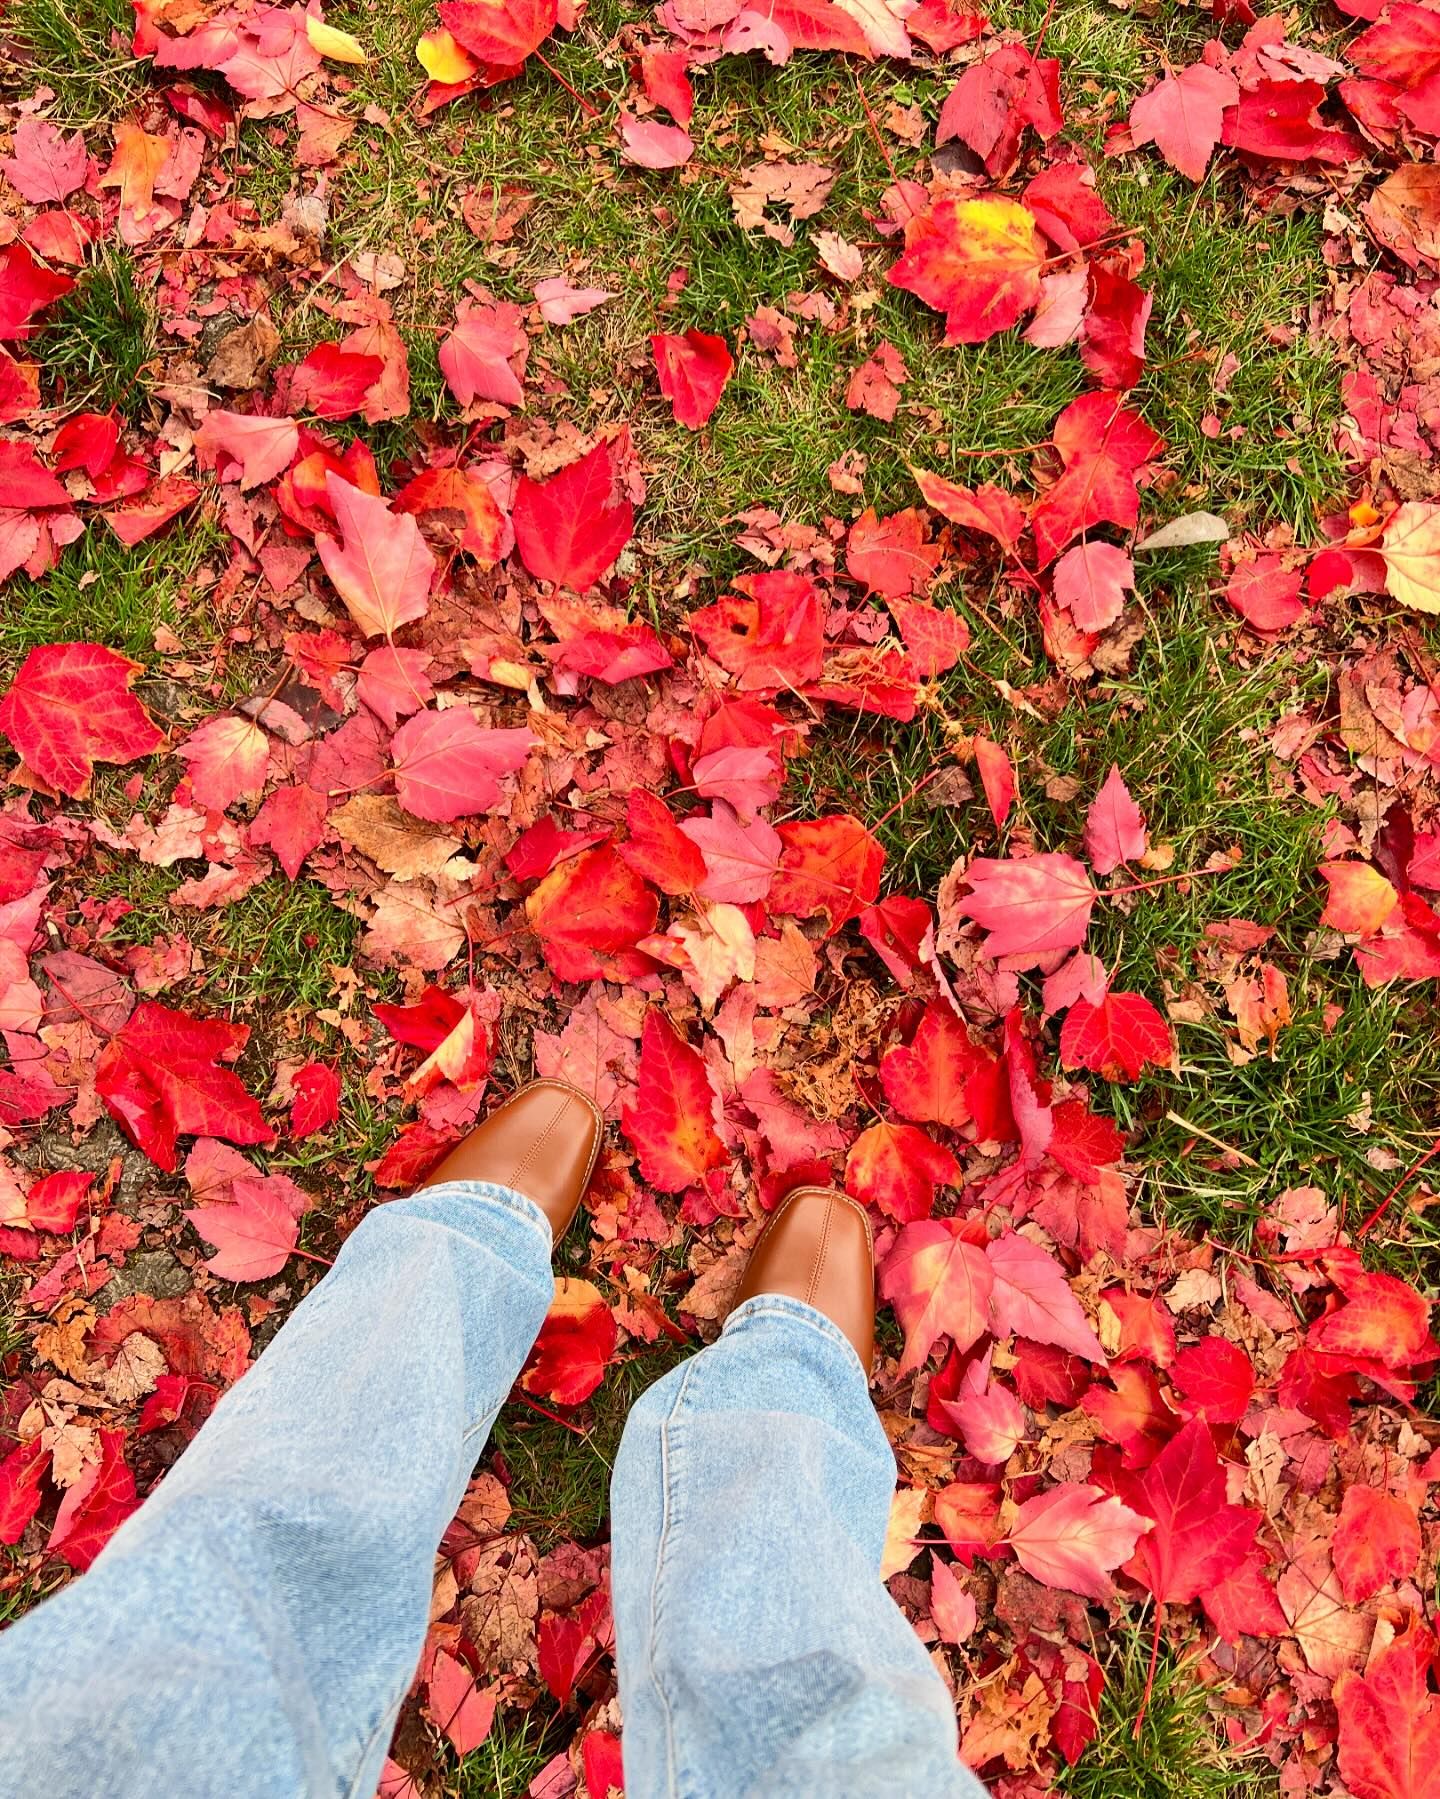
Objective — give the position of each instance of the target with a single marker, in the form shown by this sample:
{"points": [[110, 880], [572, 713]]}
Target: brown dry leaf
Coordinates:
{"points": [[1007, 1723], [500, 1609], [709, 1297], [1404, 213], [61, 1343], [801, 188], [405, 847], [243, 355], [139, 1362]]}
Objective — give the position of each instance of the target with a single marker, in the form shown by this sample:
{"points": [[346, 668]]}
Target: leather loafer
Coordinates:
{"points": [[817, 1247], [543, 1142]]}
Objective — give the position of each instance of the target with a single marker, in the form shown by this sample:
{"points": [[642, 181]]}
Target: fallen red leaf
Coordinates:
{"points": [[574, 1347], [693, 371], [69, 707], [672, 1122], [570, 529], [160, 1075]]}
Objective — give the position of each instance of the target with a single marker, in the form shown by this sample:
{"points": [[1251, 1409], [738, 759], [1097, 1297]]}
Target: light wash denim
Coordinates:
{"points": [[254, 1627]]}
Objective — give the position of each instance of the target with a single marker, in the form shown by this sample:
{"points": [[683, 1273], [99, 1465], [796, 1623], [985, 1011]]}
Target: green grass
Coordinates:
{"points": [[517, 1748], [100, 340], [561, 1479], [1177, 1753], [270, 952], [102, 591], [78, 48]]}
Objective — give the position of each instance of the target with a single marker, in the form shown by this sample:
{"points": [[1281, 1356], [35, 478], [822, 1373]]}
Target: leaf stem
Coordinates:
{"points": [[1188, 874], [591, 112]]}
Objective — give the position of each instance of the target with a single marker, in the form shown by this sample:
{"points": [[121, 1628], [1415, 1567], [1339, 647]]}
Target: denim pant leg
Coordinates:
{"points": [[253, 1628], [758, 1651]]}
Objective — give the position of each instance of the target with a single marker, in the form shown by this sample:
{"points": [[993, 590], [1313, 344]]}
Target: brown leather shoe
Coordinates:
{"points": [[817, 1247], [543, 1142]]}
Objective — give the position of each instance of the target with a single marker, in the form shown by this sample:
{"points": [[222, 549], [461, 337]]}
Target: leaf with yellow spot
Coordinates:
{"points": [[977, 261]]}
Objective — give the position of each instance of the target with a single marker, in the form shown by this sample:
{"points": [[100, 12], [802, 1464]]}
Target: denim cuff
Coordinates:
{"points": [[796, 1312], [489, 1193]]}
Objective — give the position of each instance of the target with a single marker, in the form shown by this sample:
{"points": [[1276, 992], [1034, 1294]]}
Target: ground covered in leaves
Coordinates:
{"points": [[850, 577]]}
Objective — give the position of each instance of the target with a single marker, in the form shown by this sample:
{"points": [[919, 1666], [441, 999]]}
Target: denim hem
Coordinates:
{"points": [[782, 1305], [490, 1193]]}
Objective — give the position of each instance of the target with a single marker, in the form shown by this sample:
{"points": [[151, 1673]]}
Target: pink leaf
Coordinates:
{"points": [[447, 765], [1030, 908], [456, 1703], [384, 568], [1032, 1298], [652, 145], [1114, 826], [951, 1606], [228, 757], [1091, 582], [478, 358], [245, 449], [1072, 1536], [253, 1236]]}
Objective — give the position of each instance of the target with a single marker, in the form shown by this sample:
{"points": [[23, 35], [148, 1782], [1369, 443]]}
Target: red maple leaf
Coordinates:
{"points": [[383, 568], [22, 1474], [95, 1506], [160, 1074], [570, 529], [1198, 1537], [500, 32], [693, 370], [925, 1079], [657, 849], [1390, 1721], [588, 912], [1377, 1540], [69, 707], [830, 865], [316, 1104], [672, 1122], [1116, 1038], [1102, 445], [770, 636], [1114, 827], [939, 1283], [253, 1236], [575, 1345], [897, 1168], [447, 765], [977, 261]]}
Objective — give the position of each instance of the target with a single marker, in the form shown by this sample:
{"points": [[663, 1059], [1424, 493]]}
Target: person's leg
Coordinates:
{"points": [[254, 1627], [758, 1651]]}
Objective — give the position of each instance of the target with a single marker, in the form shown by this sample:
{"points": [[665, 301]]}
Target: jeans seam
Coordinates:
{"points": [[386, 1723], [669, 1450]]}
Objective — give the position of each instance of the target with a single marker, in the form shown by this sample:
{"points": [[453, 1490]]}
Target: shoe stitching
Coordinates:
{"points": [[817, 1266], [566, 1092]]}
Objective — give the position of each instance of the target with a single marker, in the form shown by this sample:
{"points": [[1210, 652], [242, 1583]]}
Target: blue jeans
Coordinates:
{"points": [[253, 1629]]}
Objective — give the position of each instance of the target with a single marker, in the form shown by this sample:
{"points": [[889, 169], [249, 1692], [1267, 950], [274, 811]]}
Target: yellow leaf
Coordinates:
{"points": [[443, 60], [339, 46], [1411, 548]]}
